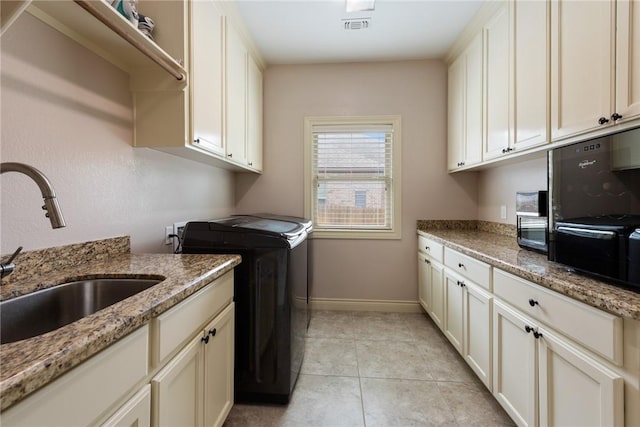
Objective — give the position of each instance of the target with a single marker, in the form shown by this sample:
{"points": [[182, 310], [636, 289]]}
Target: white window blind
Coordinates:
{"points": [[352, 177]]}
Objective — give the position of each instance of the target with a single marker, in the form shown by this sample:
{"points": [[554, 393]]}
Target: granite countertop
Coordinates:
{"points": [[503, 252], [32, 363]]}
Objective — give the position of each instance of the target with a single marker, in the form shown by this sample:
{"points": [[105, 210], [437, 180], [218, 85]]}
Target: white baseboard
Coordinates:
{"points": [[389, 306]]}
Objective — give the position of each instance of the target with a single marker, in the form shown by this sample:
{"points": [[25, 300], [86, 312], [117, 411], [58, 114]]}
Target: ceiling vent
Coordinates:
{"points": [[356, 24]]}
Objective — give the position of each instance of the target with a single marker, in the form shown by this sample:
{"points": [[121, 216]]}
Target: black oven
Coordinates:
{"points": [[594, 207], [600, 246]]}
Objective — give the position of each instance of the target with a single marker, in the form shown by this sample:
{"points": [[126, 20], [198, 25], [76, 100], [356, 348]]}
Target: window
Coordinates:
{"points": [[352, 176]]}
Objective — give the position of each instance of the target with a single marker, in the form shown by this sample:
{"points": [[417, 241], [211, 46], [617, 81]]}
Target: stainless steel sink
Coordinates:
{"points": [[43, 311]]}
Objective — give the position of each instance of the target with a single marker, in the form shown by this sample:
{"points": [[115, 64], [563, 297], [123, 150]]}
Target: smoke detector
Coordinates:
{"points": [[356, 24]]}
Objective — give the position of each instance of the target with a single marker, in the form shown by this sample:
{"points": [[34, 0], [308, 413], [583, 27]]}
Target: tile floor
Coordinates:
{"points": [[378, 369]]}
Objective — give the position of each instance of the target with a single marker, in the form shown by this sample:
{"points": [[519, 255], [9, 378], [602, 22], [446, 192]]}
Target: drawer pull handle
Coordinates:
{"points": [[427, 261], [533, 302], [205, 339], [213, 332], [427, 248], [461, 284], [461, 265], [528, 328]]}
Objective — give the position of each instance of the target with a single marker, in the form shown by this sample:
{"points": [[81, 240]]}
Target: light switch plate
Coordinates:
{"points": [[503, 212]]}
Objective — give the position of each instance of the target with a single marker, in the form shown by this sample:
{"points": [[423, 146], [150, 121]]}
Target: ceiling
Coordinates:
{"points": [[310, 31]]}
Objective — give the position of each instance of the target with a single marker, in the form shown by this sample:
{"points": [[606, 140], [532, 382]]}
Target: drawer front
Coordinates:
{"points": [[175, 326], [431, 248], [472, 269], [593, 328], [80, 396]]}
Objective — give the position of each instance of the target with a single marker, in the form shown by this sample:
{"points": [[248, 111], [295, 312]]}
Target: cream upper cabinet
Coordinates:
{"points": [[496, 89], [244, 103], [465, 107], [254, 115], [628, 60], [206, 75], [582, 66], [236, 95], [530, 50]]}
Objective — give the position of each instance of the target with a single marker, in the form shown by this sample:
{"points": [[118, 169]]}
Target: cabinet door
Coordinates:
{"points": [[497, 56], [456, 113], [514, 365], [218, 368], [206, 76], [424, 282], [135, 413], [583, 46], [454, 300], [531, 80], [473, 102], [236, 96], [478, 333], [254, 115], [177, 389], [628, 59], [574, 389], [436, 307]]}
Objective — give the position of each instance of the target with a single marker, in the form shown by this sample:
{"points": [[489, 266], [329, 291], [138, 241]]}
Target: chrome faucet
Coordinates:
{"points": [[51, 205]]}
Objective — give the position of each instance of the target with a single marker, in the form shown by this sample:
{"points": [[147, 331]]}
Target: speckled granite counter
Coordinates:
{"points": [[32, 363], [503, 252]]}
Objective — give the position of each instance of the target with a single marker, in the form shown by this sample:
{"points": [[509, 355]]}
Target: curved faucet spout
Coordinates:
{"points": [[51, 205]]}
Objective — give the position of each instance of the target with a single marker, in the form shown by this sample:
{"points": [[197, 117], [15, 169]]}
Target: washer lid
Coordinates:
{"points": [[251, 224]]}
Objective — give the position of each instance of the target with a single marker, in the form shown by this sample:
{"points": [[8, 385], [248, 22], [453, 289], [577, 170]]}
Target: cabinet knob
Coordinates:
{"points": [[615, 117], [205, 339], [528, 328], [461, 284], [533, 302], [230, 155], [461, 265], [250, 163], [537, 334], [213, 332], [427, 248], [603, 120], [196, 141], [427, 261]]}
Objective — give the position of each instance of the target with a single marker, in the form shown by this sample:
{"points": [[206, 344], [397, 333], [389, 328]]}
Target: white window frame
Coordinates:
{"points": [[395, 232]]}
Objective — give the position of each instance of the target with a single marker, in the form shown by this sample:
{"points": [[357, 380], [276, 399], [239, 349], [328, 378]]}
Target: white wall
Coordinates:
{"points": [[361, 269], [498, 186], [69, 113]]}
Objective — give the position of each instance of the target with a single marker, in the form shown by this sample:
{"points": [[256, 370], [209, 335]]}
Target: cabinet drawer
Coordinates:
{"points": [[84, 393], [593, 328], [175, 326], [430, 247], [472, 269]]}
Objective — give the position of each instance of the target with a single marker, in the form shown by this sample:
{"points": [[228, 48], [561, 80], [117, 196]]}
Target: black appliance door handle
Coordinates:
{"points": [[257, 336], [585, 232]]}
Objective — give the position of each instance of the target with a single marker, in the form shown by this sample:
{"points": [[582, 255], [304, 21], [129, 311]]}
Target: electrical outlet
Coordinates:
{"points": [[503, 212], [167, 231]]}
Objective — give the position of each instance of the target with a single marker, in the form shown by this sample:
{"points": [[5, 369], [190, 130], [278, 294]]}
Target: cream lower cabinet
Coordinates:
{"points": [[468, 323], [542, 379], [136, 412], [196, 387], [431, 290]]}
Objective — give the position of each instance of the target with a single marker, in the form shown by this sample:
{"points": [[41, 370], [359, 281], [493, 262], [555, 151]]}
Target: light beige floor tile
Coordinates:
{"points": [[473, 405], [325, 401], [421, 326], [375, 326], [318, 401], [330, 356], [392, 359], [331, 324], [404, 403], [445, 363]]}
